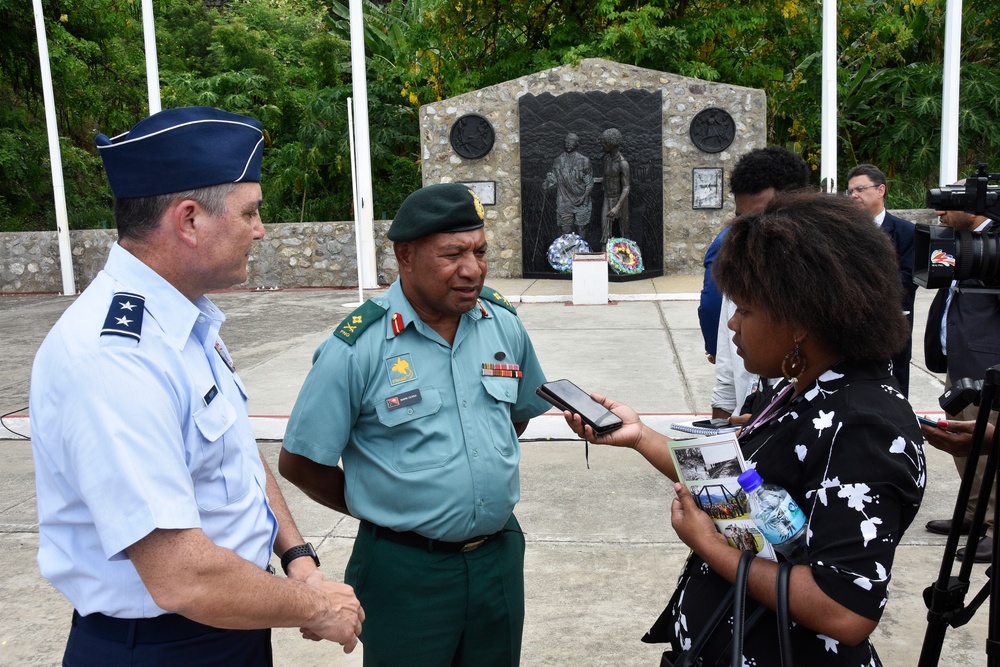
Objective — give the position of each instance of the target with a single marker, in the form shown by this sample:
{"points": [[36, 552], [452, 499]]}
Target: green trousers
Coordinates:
{"points": [[432, 609]]}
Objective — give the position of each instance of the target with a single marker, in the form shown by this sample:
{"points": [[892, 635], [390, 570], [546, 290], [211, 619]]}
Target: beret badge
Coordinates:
{"points": [[479, 205]]}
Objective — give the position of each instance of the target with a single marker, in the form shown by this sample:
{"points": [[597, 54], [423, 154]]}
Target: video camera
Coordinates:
{"points": [[942, 254], [963, 393]]}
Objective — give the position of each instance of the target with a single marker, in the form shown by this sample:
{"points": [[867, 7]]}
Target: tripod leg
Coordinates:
{"points": [[946, 597], [992, 640]]}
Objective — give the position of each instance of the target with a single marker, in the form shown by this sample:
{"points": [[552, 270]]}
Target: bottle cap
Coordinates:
{"points": [[750, 480]]}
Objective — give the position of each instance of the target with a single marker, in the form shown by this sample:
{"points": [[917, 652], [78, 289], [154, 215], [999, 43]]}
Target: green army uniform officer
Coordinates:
{"points": [[422, 393]]}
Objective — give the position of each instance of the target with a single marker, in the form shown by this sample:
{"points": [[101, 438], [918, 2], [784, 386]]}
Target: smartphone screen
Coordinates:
{"points": [[577, 400]]}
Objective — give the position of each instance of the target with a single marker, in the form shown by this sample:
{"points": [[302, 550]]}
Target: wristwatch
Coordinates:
{"points": [[299, 551]]}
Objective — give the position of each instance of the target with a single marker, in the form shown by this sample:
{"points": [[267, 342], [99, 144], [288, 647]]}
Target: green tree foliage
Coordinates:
{"points": [[97, 83], [288, 63]]}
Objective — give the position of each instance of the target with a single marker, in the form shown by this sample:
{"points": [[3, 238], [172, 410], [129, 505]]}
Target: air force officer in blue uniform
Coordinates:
{"points": [[422, 393], [157, 515]]}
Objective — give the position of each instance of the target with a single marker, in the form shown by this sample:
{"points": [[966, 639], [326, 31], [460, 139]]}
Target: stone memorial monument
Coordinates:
{"points": [[665, 167], [620, 135]]}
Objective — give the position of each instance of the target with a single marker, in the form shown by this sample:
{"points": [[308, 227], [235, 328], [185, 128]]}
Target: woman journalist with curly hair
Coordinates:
{"points": [[811, 277]]}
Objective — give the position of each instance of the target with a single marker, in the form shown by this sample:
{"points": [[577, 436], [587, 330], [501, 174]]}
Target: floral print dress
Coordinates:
{"points": [[850, 453]]}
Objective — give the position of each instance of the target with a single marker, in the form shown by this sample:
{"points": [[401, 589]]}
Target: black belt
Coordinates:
{"points": [[156, 630], [411, 539]]}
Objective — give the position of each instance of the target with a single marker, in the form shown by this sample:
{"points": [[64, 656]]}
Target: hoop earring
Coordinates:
{"points": [[794, 364]]}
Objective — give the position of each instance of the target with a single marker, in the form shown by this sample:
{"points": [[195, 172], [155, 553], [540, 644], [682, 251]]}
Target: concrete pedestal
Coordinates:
{"points": [[590, 278]]}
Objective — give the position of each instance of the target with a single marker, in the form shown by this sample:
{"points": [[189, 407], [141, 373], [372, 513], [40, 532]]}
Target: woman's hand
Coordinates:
{"points": [[632, 433], [628, 435], [955, 437], [695, 528]]}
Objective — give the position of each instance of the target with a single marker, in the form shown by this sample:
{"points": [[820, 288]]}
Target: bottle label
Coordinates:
{"points": [[783, 522]]}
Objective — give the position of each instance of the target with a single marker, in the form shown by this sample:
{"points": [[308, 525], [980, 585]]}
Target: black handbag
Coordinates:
{"points": [[734, 600]]}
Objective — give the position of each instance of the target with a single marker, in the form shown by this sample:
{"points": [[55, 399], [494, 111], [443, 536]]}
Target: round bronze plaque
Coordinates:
{"points": [[713, 129], [472, 136]]}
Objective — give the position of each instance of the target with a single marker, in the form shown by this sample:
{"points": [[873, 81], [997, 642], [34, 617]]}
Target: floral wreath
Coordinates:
{"points": [[624, 256], [562, 249]]}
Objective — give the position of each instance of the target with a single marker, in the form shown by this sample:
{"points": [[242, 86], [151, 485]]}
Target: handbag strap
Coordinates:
{"points": [[784, 636], [739, 606], [689, 657]]}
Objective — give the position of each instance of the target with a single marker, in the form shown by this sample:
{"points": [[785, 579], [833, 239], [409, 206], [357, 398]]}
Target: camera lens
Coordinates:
{"points": [[978, 256]]}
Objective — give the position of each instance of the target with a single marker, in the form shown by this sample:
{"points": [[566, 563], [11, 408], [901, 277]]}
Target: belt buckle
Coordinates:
{"points": [[473, 545]]}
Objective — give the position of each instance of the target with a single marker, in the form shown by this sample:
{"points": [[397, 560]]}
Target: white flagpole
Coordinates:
{"points": [[363, 205], [357, 220], [152, 64], [55, 156], [948, 171], [828, 128]]}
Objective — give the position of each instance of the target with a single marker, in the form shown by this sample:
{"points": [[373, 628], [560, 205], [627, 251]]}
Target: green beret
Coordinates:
{"points": [[435, 209]]}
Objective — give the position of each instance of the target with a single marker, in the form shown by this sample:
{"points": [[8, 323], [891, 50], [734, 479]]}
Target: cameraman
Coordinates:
{"points": [[961, 340]]}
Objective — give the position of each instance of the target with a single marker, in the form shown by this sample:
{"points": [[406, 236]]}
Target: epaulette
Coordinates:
{"points": [[350, 329], [124, 316], [496, 297]]}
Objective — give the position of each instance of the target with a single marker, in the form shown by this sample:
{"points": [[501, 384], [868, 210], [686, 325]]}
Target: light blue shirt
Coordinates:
{"points": [[427, 439], [133, 435]]}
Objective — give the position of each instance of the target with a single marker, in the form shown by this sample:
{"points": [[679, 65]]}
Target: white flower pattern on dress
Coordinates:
{"points": [[843, 452], [824, 421]]}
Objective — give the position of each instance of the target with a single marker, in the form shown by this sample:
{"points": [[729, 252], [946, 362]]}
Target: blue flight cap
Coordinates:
{"points": [[182, 149]]}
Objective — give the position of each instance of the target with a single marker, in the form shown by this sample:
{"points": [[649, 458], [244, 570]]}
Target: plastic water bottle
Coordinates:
{"points": [[776, 514]]}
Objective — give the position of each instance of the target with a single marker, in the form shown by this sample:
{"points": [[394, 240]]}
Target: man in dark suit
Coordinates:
{"points": [[968, 345], [866, 185]]}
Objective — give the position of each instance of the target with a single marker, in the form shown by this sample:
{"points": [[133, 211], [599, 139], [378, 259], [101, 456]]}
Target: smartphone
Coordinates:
{"points": [[928, 422], [711, 423], [567, 396]]}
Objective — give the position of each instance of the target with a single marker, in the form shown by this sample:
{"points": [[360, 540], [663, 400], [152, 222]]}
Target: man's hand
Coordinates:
{"points": [[739, 420], [341, 621], [300, 568]]}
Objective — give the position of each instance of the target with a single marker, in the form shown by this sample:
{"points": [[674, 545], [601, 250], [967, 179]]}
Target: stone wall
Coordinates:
{"points": [[686, 231], [317, 254], [312, 254]]}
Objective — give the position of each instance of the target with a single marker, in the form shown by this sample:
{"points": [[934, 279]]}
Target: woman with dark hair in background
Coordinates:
{"points": [[810, 277]]}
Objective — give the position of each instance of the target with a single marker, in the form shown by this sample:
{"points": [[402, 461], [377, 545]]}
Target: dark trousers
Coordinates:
{"points": [[433, 609], [166, 641]]}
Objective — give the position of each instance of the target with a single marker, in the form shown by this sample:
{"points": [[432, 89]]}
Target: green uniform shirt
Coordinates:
{"points": [[425, 429]]}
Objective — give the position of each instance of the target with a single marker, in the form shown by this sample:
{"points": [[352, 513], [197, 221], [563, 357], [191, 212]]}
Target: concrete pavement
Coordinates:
{"points": [[601, 559]]}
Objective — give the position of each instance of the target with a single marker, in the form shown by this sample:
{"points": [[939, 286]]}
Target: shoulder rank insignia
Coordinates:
{"points": [[125, 315], [496, 297], [350, 329]]}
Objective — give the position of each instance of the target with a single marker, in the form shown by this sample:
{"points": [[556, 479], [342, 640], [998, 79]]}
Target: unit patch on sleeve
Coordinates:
{"points": [[350, 329], [124, 316]]}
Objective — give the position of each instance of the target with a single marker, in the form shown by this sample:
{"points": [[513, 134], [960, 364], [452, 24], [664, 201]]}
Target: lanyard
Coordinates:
{"points": [[768, 413]]}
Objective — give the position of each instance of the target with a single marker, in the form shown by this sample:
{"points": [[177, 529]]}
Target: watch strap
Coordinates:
{"points": [[299, 551]]}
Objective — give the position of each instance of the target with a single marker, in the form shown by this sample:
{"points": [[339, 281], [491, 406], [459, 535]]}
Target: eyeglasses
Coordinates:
{"points": [[859, 189]]}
